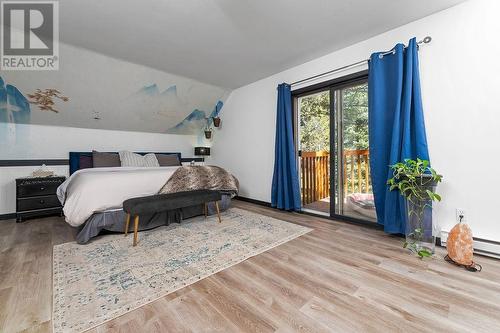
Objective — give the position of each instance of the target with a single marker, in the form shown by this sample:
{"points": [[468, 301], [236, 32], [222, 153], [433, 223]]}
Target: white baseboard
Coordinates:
{"points": [[481, 246], [487, 248]]}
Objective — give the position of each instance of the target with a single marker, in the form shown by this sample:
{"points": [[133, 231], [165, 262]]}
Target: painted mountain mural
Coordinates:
{"points": [[14, 110], [154, 105], [178, 113], [168, 104], [196, 121], [14, 107]]}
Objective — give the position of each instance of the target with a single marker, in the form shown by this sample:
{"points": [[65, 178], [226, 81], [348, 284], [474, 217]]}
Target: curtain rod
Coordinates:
{"points": [[426, 40]]}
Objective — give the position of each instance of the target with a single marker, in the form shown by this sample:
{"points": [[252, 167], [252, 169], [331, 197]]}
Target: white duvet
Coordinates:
{"points": [[98, 189]]}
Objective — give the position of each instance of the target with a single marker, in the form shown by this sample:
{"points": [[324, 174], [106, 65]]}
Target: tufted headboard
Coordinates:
{"points": [[82, 160]]}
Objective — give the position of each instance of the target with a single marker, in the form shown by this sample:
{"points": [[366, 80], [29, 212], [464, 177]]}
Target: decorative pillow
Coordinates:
{"points": [[104, 160], [168, 160], [86, 162], [130, 159]]}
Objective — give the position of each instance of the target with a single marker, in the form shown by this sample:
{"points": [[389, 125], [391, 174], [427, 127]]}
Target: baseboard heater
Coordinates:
{"points": [[483, 247]]}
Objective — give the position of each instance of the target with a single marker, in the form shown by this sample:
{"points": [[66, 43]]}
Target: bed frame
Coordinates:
{"points": [[74, 158]]}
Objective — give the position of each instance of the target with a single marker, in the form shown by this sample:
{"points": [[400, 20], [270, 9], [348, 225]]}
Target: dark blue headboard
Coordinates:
{"points": [[74, 158]]}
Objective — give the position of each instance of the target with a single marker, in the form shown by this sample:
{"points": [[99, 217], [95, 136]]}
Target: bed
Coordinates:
{"points": [[92, 197]]}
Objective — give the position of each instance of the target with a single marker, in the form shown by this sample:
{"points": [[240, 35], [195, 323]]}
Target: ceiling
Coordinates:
{"points": [[231, 43]]}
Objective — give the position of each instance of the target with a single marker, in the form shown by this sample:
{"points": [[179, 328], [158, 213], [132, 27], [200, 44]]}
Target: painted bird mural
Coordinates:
{"points": [[44, 99]]}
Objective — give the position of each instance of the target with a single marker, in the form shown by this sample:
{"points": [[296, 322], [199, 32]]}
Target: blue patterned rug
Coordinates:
{"points": [[107, 278]]}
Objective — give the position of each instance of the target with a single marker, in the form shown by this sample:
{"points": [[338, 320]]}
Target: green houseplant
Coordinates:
{"points": [[416, 181]]}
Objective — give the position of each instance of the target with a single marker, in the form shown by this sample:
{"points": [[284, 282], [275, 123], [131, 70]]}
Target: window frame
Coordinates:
{"points": [[331, 86]]}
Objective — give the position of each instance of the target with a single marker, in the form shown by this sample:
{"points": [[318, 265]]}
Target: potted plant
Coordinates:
{"points": [[416, 182], [208, 129], [216, 121]]}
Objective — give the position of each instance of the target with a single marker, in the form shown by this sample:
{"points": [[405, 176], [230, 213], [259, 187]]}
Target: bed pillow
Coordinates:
{"points": [[130, 159], [85, 162], [105, 160], [168, 160]]}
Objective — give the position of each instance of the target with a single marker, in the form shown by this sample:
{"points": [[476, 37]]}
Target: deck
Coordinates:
{"points": [[315, 182]]}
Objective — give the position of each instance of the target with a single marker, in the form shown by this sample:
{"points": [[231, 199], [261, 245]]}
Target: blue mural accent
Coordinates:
{"points": [[14, 107], [153, 90], [170, 91], [192, 124], [215, 112], [217, 108], [14, 110], [155, 106], [3, 102], [196, 121]]}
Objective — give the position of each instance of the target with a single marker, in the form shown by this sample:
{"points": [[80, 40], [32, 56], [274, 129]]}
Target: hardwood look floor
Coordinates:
{"points": [[337, 278]]}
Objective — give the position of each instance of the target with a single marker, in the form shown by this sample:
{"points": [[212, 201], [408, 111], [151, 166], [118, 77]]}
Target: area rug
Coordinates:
{"points": [[107, 278]]}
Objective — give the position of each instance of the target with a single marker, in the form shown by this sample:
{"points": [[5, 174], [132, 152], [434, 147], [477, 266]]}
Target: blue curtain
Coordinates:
{"points": [[285, 191], [396, 126]]}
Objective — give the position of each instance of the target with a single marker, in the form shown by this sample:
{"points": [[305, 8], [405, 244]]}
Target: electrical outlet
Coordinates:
{"points": [[460, 215]]}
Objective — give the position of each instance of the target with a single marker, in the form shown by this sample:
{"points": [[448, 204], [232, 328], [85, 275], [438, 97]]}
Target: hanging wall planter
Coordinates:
{"points": [[216, 121], [208, 134]]}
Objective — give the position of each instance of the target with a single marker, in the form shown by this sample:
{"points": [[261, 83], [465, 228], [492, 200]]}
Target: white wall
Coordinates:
{"points": [[55, 142], [460, 73], [52, 142]]}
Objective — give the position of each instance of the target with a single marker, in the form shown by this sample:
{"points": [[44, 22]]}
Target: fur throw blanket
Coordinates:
{"points": [[190, 178]]}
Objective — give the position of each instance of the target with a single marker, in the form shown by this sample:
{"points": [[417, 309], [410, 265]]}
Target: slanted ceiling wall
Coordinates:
{"points": [[111, 105], [459, 72], [94, 91]]}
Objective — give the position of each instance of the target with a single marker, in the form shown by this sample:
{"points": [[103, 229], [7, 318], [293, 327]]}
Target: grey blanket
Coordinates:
{"points": [[189, 178], [114, 220]]}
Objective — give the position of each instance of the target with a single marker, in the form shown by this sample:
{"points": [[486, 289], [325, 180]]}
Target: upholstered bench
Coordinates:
{"points": [[164, 202]]}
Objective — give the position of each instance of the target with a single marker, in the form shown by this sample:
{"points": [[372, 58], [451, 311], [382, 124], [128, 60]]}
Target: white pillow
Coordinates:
{"points": [[130, 159]]}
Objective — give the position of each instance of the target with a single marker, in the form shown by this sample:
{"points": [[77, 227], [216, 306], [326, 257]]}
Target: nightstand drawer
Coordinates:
{"points": [[48, 201], [31, 188]]}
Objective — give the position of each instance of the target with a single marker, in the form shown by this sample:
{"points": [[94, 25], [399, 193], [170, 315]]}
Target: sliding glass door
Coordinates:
{"points": [[314, 150], [332, 132], [353, 190]]}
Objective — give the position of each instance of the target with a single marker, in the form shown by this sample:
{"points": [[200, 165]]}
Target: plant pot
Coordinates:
{"points": [[419, 224], [424, 180], [208, 134], [216, 121]]}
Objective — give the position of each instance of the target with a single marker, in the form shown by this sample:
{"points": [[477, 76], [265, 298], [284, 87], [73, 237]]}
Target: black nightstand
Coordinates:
{"points": [[36, 197]]}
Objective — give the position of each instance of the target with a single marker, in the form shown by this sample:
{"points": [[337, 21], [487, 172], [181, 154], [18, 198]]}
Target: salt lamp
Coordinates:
{"points": [[460, 244]]}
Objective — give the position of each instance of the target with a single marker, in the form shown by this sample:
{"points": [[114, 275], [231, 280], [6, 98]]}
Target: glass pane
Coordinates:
{"points": [[355, 190], [314, 144]]}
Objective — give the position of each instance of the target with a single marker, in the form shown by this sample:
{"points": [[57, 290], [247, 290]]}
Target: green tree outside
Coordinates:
{"points": [[315, 119]]}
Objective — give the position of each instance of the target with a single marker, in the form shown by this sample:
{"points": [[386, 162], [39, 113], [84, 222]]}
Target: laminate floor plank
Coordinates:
{"points": [[195, 309], [235, 309], [282, 312], [337, 278]]}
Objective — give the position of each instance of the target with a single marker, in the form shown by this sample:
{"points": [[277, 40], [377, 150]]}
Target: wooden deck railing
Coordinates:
{"points": [[315, 174], [357, 171]]}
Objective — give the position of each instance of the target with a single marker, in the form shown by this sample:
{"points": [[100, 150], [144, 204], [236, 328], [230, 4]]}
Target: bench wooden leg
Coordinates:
{"points": [[205, 209], [127, 223], [136, 227], [218, 211]]}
